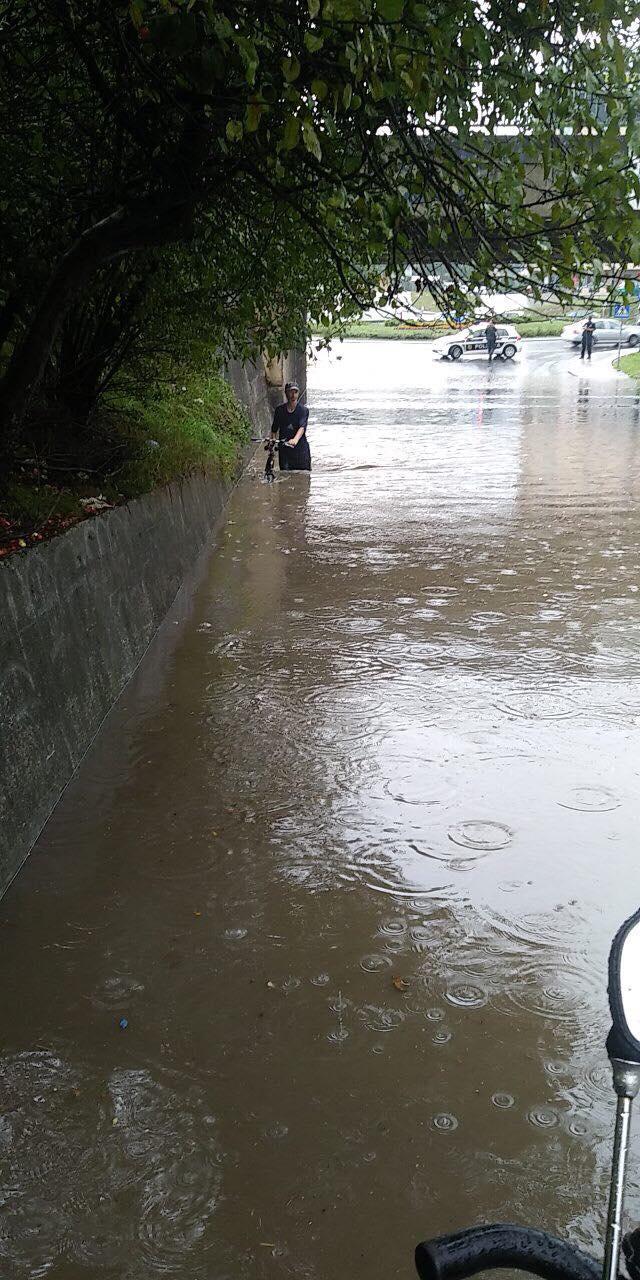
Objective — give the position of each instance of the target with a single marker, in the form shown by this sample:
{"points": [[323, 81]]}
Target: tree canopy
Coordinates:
{"points": [[251, 165]]}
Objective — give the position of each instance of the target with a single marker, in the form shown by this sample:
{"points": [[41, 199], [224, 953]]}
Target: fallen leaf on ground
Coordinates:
{"points": [[400, 984]]}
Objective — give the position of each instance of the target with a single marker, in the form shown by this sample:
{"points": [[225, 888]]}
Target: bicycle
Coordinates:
{"points": [[498, 1245]]}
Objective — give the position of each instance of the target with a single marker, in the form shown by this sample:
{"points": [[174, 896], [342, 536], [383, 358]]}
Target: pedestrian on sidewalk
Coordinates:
{"points": [[290, 429], [588, 331], [491, 334]]}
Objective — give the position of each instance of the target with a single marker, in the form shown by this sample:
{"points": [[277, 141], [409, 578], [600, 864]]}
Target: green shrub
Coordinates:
{"points": [[187, 418], [153, 425]]}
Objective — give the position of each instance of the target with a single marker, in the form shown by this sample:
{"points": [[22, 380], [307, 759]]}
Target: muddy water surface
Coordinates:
{"points": [[347, 858]]}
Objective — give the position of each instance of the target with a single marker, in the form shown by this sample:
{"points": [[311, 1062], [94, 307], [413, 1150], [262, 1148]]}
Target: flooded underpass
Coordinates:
{"points": [[310, 962]]}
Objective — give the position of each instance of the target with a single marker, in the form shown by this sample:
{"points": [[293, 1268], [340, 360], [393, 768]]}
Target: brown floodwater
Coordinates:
{"points": [[347, 857]]}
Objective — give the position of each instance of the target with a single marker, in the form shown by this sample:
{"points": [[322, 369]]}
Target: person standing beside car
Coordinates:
{"points": [[491, 334], [588, 331]]}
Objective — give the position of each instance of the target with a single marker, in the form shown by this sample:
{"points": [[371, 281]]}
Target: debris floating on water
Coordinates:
{"points": [[400, 984]]}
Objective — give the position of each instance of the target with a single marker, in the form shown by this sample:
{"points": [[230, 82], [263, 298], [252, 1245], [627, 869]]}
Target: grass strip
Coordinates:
{"points": [[630, 365], [395, 330]]}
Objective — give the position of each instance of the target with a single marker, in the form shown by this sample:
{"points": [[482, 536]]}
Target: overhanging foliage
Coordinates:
{"points": [[299, 149]]}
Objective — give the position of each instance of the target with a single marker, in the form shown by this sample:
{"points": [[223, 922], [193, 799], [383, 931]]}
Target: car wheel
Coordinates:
{"points": [[455, 352], [633, 339], [509, 351]]}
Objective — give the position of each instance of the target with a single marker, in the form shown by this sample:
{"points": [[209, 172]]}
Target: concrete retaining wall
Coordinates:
{"points": [[260, 394], [76, 616]]}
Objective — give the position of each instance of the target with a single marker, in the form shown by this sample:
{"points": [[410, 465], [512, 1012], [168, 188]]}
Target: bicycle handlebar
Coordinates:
{"points": [[503, 1244]]}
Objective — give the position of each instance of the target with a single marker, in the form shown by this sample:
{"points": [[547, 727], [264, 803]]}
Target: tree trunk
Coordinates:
{"points": [[148, 224]]}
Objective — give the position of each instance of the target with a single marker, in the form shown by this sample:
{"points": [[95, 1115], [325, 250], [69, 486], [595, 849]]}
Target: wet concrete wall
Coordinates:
{"points": [[76, 616]]}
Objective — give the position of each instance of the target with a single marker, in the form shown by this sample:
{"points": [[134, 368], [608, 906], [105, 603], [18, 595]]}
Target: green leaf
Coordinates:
{"points": [[291, 134], [338, 200], [290, 69], [314, 8], [390, 10], [234, 130], [313, 42], [255, 111], [352, 55], [319, 89], [311, 139], [249, 56], [618, 56], [483, 46], [222, 26]]}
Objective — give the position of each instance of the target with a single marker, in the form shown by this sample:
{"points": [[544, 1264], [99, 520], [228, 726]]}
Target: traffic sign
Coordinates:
{"points": [[621, 311]]}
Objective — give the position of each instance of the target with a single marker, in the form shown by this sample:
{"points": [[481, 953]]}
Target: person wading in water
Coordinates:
{"points": [[290, 428]]}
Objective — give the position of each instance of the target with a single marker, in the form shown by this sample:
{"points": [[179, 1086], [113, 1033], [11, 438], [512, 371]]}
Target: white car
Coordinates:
{"points": [[607, 334], [472, 342]]}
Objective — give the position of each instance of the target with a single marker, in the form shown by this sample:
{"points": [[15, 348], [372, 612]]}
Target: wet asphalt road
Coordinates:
{"points": [[348, 856]]}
